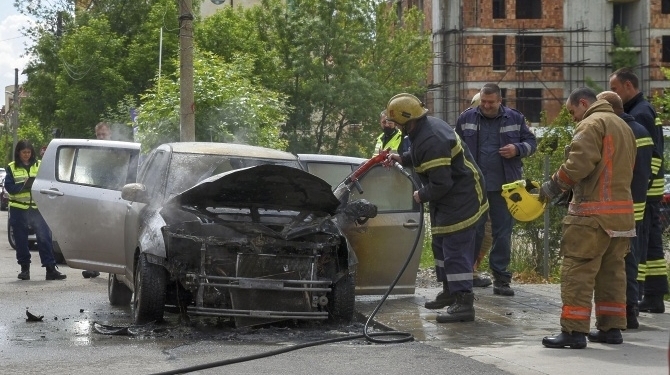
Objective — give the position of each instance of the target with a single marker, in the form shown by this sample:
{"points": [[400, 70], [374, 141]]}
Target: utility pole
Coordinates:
{"points": [[186, 98], [15, 110]]}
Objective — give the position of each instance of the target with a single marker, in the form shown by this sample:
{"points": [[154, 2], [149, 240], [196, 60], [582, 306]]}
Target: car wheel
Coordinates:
{"points": [[149, 296], [10, 235], [58, 255], [119, 294], [342, 299]]}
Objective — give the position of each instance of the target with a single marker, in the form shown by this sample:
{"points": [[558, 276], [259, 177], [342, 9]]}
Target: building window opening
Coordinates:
{"points": [[499, 9], [529, 102], [665, 45], [528, 52], [665, 6], [528, 9], [499, 52]]}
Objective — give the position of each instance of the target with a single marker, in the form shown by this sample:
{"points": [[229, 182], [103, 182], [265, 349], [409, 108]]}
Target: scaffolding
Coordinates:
{"points": [[582, 57]]}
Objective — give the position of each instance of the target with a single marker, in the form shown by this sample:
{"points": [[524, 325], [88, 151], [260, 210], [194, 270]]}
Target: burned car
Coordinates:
{"points": [[213, 229]]}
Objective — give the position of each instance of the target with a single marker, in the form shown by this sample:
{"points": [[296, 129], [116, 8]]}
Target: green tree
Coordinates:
{"points": [[230, 106], [108, 51], [338, 62], [624, 54]]}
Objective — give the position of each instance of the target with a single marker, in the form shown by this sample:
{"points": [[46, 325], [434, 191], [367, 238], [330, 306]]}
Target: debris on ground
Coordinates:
{"points": [[33, 318]]}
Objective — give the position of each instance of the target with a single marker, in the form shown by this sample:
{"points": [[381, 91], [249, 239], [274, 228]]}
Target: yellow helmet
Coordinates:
{"points": [[521, 203], [405, 107], [475, 101]]}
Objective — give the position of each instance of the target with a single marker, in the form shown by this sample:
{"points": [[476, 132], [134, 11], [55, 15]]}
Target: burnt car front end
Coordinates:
{"points": [[261, 244]]}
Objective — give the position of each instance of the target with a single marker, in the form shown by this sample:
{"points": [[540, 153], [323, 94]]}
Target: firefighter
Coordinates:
{"points": [[647, 162], [599, 224], [454, 189], [653, 268]]}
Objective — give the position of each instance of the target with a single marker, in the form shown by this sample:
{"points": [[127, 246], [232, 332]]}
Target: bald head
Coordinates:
{"points": [[614, 99]]}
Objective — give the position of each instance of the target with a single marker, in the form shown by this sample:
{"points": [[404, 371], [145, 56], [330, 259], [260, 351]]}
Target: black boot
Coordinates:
{"points": [[613, 336], [25, 272], [574, 340], [652, 303], [631, 316], [53, 274], [502, 288], [443, 299], [480, 281], [463, 310]]}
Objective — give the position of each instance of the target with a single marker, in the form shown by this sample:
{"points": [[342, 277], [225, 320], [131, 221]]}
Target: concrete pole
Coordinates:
{"points": [[186, 99], [15, 110]]}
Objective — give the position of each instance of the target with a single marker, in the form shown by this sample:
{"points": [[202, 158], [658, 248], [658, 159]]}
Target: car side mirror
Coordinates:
{"points": [[135, 192]]}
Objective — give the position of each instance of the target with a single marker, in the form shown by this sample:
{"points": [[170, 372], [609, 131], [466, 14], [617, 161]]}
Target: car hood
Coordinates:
{"points": [[267, 186]]}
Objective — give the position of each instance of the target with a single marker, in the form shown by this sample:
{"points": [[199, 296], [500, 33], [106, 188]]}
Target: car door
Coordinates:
{"points": [[78, 191], [384, 242]]}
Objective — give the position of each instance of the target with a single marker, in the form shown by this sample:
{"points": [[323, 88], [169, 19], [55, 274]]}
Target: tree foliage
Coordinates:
{"points": [[337, 61], [623, 54], [230, 106]]}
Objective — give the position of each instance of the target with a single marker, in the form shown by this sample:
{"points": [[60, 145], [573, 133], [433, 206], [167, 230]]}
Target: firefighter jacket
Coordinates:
{"points": [[644, 113], [452, 182], [393, 142], [644, 168], [19, 196], [513, 130], [599, 170]]}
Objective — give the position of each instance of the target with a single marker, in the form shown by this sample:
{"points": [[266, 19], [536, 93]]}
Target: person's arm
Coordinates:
{"points": [[528, 142], [10, 185]]}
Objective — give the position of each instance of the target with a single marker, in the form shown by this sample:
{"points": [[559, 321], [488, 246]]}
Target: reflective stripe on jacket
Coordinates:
{"points": [[513, 130], [452, 183], [393, 143], [23, 199], [599, 170]]}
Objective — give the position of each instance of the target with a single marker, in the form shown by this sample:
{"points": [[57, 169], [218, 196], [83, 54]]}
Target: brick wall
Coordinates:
{"points": [[479, 13]]}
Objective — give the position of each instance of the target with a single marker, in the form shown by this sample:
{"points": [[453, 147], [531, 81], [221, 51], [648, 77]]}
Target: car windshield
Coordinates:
{"points": [[187, 169]]}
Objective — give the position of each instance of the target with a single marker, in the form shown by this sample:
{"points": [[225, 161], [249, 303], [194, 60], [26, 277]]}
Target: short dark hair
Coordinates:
{"points": [[490, 88], [582, 93], [626, 74], [22, 145]]}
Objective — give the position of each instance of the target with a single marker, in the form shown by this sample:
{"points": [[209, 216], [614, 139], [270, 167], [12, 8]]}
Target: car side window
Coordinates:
{"points": [[332, 173], [388, 189], [154, 171], [94, 166]]}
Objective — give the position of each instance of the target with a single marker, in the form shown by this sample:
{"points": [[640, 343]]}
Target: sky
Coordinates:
{"points": [[12, 44]]}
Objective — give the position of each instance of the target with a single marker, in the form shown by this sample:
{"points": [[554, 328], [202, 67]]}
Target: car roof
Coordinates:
{"points": [[331, 158], [230, 149]]}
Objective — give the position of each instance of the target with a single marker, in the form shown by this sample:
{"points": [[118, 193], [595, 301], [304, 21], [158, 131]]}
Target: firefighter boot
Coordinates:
{"points": [[502, 288], [652, 303], [574, 340], [443, 299], [631, 317], [53, 274], [463, 310], [613, 336], [480, 281], [25, 272]]}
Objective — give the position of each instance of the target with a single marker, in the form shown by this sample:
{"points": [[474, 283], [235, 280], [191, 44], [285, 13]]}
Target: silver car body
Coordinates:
{"points": [[79, 191]]}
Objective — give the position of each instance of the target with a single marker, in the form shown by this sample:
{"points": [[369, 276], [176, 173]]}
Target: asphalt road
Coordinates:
{"points": [[65, 341]]}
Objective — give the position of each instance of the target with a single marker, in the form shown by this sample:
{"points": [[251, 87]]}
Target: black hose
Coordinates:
{"points": [[404, 336]]}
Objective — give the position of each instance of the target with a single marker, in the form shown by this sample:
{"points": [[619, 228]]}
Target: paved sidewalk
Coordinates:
{"points": [[508, 331]]}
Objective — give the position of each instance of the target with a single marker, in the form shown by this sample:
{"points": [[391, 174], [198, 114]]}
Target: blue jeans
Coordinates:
{"points": [[20, 220], [502, 224]]}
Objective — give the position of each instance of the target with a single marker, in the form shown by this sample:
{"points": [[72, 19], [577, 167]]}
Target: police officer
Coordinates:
{"points": [[23, 212], [454, 188]]}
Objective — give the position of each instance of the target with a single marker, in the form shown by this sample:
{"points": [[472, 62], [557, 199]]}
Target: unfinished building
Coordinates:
{"points": [[538, 50]]}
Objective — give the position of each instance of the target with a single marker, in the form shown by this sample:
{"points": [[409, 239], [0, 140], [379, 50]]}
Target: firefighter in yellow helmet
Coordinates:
{"points": [[454, 188]]}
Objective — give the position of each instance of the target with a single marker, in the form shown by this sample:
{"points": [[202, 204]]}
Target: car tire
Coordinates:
{"points": [[10, 235], [58, 254], [119, 294], [342, 299], [150, 287]]}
